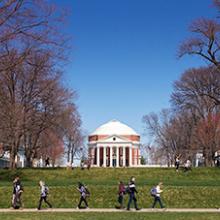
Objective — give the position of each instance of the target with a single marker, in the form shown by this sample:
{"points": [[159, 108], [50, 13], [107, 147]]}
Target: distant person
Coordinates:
{"points": [[177, 162], [187, 166], [121, 193], [84, 192], [132, 191], [17, 192], [44, 190], [155, 192], [47, 162]]}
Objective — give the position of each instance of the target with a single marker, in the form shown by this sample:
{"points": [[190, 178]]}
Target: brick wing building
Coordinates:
{"points": [[114, 144]]}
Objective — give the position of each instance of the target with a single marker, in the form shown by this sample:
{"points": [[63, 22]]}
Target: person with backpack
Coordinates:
{"points": [[44, 191], [131, 189], [121, 193], [17, 191], [155, 192], [84, 192]]}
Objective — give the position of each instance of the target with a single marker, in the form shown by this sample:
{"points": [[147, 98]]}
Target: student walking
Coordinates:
{"points": [[84, 192], [132, 191], [17, 191], [44, 190], [121, 193], [155, 192]]}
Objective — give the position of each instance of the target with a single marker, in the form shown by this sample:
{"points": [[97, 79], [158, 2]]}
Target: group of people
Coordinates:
{"points": [[187, 165], [18, 190], [44, 191], [131, 191]]}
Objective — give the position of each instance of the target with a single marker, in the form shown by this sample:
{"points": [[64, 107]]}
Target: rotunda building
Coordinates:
{"points": [[114, 144]]}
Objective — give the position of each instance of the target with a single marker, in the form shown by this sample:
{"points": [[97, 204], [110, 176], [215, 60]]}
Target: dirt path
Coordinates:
{"points": [[217, 210]]}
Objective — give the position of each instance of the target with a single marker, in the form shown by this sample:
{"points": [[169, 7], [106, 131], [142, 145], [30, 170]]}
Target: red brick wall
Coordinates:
{"points": [[100, 137]]}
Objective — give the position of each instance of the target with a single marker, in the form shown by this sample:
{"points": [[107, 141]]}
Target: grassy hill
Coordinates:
{"points": [[199, 188], [112, 216]]}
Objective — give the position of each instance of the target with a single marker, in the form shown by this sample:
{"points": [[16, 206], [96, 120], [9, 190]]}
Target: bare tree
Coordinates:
{"points": [[197, 91], [198, 94], [157, 126], [206, 43], [74, 138], [205, 40], [31, 96], [52, 146], [207, 137]]}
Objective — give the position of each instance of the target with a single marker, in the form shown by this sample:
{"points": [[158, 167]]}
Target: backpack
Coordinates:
{"points": [[46, 190], [153, 192], [127, 190], [87, 192]]}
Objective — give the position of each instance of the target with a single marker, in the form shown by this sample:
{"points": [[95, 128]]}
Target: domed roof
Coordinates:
{"points": [[114, 127]]}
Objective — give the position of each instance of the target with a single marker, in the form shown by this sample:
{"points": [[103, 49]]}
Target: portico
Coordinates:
{"points": [[114, 150]]}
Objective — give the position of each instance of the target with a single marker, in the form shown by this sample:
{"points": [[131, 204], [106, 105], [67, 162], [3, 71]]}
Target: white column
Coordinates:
{"points": [[130, 156], [117, 156], [98, 157], [104, 156], [124, 156], [111, 156]]}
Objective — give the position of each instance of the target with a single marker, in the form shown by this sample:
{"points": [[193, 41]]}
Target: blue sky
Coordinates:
{"points": [[123, 60]]}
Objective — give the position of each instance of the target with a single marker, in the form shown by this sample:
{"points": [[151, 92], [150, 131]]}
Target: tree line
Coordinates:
{"points": [[192, 124], [38, 113]]}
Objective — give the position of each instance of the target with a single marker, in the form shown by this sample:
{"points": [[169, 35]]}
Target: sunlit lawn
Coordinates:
{"points": [[197, 189], [112, 216]]}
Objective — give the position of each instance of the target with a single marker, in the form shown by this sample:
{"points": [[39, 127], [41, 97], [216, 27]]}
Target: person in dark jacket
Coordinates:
{"points": [[17, 191], [132, 191], [177, 162], [121, 192], [43, 195], [84, 194]]}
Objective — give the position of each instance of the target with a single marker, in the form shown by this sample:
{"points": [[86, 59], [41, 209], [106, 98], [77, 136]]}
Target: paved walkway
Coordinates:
{"points": [[217, 210]]}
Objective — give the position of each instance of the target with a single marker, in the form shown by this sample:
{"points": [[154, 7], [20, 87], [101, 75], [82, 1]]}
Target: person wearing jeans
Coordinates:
{"points": [[157, 195], [43, 195], [84, 194], [132, 190]]}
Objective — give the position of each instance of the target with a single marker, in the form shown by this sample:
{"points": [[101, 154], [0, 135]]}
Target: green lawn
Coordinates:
{"points": [[197, 189], [107, 216]]}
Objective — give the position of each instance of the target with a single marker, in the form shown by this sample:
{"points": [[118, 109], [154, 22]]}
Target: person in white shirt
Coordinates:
{"points": [[187, 165], [43, 195], [157, 195]]}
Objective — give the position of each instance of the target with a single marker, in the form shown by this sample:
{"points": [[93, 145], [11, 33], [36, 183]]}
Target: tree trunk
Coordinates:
{"points": [[13, 153], [28, 158], [72, 153], [28, 162]]}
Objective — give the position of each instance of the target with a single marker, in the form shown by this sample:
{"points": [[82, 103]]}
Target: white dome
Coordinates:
{"points": [[114, 127]]}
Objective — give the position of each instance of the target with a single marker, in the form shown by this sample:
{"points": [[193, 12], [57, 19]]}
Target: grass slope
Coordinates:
{"points": [[106, 216], [197, 189]]}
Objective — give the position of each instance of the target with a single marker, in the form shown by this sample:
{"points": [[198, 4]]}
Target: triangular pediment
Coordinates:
{"points": [[115, 139]]}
